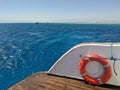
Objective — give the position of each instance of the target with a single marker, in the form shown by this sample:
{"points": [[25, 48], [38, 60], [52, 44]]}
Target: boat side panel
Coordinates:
{"points": [[68, 64]]}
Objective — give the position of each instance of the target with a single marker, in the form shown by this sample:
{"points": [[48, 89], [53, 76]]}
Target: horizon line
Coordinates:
{"points": [[118, 22]]}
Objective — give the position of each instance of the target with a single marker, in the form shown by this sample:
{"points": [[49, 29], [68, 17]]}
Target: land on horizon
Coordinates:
{"points": [[68, 22]]}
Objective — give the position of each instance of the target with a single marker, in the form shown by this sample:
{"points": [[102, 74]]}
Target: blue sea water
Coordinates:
{"points": [[29, 48]]}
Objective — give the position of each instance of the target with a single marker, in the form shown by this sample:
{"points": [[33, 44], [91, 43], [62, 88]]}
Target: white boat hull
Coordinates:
{"points": [[68, 64]]}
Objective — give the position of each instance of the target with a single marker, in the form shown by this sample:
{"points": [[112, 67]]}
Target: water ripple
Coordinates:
{"points": [[30, 48]]}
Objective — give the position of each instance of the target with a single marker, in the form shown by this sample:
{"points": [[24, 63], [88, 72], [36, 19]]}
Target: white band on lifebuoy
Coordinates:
{"points": [[107, 65], [84, 74], [100, 81], [88, 59]]}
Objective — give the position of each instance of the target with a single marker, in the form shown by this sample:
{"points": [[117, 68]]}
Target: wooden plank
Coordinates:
{"points": [[43, 81]]}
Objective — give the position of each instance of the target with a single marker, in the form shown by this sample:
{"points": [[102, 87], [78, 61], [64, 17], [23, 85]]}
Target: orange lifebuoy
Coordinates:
{"points": [[104, 62]]}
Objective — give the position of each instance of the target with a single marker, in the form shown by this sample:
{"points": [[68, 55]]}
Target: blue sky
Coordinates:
{"points": [[59, 10]]}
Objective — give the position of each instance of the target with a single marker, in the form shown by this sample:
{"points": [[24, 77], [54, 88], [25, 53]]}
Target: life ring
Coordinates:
{"points": [[95, 80]]}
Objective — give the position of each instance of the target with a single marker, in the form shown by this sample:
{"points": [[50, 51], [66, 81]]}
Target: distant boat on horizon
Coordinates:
{"points": [[36, 22]]}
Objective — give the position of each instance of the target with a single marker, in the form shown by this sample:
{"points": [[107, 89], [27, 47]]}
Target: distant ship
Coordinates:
{"points": [[36, 22]]}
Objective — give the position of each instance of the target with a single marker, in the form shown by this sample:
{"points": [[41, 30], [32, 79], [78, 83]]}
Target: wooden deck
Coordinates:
{"points": [[43, 81]]}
